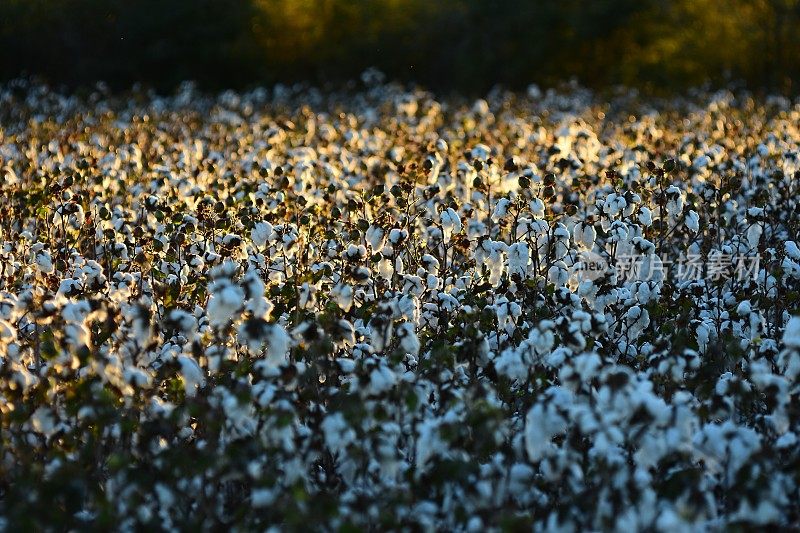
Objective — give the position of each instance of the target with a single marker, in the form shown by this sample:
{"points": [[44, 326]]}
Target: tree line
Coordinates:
{"points": [[462, 45]]}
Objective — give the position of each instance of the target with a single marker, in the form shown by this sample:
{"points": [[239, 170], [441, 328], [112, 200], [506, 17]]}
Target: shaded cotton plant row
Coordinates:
{"points": [[348, 311]]}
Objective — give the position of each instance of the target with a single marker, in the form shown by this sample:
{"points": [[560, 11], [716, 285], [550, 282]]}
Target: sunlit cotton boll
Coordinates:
{"points": [[558, 274], [675, 201], [225, 302], [490, 254], [561, 241], [537, 208], [254, 333], [44, 262], [613, 204], [342, 294], [645, 217], [345, 333], [258, 335], [183, 323], [451, 223], [376, 237], [518, 259], [430, 264], [584, 234], [191, 374], [501, 209]]}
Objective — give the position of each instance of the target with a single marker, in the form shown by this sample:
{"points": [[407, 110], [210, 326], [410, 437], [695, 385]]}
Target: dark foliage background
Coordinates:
{"points": [[460, 45]]}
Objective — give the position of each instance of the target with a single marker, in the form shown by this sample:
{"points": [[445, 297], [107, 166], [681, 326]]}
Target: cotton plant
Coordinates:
{"points": [[291, 307]]}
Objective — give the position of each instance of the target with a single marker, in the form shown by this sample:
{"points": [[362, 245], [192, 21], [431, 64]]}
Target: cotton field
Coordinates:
{"points": [[376, 309]]}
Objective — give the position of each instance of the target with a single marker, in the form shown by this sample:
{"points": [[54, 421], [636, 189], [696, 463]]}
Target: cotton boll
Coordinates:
{"points": [[645, 293], [541, 340], [261, 234], [703, 332], [511, 364], [142, 325], [726, 445], [675, 201], [191, 374], [254, 290], [76, 312], [561, 241], [693, 221], [671, 521], [790, 268], [743, 309], [614, 203], [43, 422], [409, 342], [754, 235], [10, 307], [182, 322], [253, 333], [397, 236], [481, 151], [342, 294], [134, 378], [792, 250], [430, 263], [450, 221], [428, 444], [44, 262], [585, 234], [381, 379], [645, 217], [490, 254], [278, 343], [413, 285], [224, 304], [307, 295], [518, 259], [618, 232], [791, 334], [544, 421], [259, 307], [77, 337], [376, 237], [558, 274], [338, 434], [537, 208], [356, 252], [501, 209], [385, 268], [381, 329], [8, 335], [345, 333], [637, 320], [431, 282], [260, 498]]}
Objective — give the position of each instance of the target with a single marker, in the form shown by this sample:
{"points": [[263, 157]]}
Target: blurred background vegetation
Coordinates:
{"points": [[465, 45]]}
